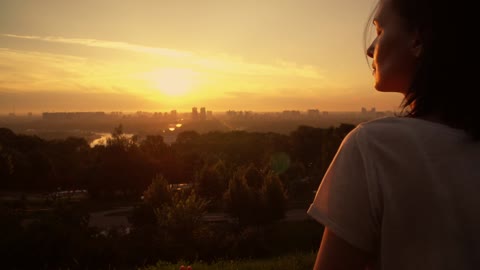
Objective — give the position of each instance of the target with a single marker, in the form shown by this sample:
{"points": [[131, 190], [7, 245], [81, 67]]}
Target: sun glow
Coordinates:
{"points": [[173, 81]]}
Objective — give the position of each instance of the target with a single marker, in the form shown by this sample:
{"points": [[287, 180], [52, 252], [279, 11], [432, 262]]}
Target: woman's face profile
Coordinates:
{"points": [[394, 50]]}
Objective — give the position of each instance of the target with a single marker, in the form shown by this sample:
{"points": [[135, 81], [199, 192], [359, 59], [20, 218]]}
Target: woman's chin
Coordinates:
{"points": [[383, 89], [379, 87]]}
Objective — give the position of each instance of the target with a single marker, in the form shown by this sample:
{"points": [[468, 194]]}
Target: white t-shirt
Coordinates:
{"points": [[407, 190]]}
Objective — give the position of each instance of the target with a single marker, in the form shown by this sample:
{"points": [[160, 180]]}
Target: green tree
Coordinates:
{"points": [[154, 146], [158, 193], [255, 204], [275, 197], [118, 139], [211, 181], [239, 199], [183, 216], [253, 176]]}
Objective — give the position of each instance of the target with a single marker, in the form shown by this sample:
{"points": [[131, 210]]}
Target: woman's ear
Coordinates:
{"points": [[417, 44]]}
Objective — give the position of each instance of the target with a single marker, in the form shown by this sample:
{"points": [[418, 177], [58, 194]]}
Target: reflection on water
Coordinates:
{"points": [[169, 136], [103, 138]]}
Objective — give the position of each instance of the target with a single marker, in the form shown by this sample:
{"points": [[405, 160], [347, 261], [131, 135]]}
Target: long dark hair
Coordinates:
{"points": [[436, 88]]}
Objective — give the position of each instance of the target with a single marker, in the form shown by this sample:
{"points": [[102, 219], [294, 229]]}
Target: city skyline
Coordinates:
{"points": [[205, 111], [155, 55]]}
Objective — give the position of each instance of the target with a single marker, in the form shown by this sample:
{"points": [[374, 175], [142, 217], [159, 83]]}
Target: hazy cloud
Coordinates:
{"points": [[107, 44], [221, 63], [48, 100]]}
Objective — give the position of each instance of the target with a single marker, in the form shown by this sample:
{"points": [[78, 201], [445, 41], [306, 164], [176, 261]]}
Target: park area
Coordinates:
{"points": [[105, 234]]}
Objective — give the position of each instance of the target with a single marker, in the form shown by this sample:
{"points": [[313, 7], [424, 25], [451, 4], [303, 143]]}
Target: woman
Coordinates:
{"points": [[404, 192]]}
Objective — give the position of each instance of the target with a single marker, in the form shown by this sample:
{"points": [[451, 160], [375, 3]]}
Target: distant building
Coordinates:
{"points": [[248, 114], [313, 113], [143, 114], [71, 115], [203, 114], [173, 114], [194, 113], [290, 114], [231, 113], [116, 113]]}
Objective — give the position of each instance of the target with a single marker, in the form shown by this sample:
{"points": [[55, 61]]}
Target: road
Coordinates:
{"points": [[118, 218]]}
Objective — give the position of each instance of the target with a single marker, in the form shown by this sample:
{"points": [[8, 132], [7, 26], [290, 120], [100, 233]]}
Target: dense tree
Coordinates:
{"points": [[158, 193], [249, 174], [257, 203], [155, 196], [211, 181], [154, 146], [275, 197], [253, 176], [239, 199], [308, 144], [127, 164], [182, 217]]}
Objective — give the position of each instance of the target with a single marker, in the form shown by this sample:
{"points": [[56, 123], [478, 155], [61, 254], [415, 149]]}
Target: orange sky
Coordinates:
{"points": [[159, 55]]}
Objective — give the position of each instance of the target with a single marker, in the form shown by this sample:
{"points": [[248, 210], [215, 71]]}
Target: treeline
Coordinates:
{"points": [[248, 175], [126, 166]]}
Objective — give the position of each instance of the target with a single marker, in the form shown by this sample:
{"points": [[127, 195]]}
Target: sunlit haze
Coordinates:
{"points": [[160, 55]]}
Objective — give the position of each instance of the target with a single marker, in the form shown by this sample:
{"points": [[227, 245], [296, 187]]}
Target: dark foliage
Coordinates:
{"points": [[250, 174]]}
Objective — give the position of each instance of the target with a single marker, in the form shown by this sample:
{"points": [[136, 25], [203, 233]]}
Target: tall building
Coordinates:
{"points": [[194, 113], [173, 114], [313, 112], [231, 113], [203, 113]]}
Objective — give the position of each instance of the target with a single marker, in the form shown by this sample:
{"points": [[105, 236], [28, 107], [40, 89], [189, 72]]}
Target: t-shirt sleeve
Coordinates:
{"points": [[343, 202]]}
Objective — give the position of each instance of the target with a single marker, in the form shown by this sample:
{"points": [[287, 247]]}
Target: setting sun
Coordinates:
{"points": [[173, 81]]}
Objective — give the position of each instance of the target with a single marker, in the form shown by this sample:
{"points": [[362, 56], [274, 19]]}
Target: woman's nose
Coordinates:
{"points": [[371, 49]]}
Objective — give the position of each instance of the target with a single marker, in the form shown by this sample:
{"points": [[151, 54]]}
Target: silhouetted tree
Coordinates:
{"points": [[158, 193], [275, 197], [240, 199], [154, 146], [211, 181], [256, 204]]}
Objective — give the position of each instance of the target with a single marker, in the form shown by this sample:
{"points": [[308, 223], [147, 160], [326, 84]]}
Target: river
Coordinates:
{"points": [[168, 138], [103, 139]]}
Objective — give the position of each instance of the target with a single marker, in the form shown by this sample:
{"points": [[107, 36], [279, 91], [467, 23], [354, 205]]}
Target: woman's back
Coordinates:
{"points": [[415, 201], [428, 177]]}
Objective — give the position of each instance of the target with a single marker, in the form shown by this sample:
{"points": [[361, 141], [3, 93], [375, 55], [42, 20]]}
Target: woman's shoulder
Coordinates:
{"points": [[394, 125], [404, 133], [381, 127], [391, 122]]}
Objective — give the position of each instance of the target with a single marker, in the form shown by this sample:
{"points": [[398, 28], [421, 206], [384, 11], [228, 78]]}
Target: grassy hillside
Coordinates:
{"points": [[299, 261]]}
